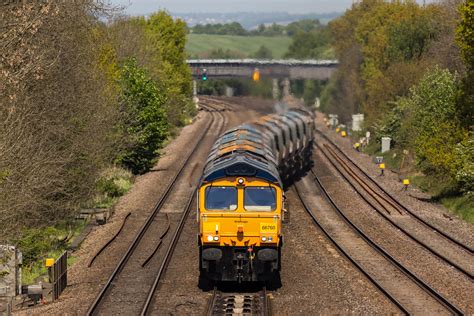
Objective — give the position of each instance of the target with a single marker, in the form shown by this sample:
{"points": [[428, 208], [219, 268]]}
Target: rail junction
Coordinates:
{"points": [[411, 292], [144, 274]]}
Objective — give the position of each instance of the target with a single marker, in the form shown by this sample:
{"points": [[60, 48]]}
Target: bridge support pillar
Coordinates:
{"points": [[286, 87], [275, 89], [195, 98]]}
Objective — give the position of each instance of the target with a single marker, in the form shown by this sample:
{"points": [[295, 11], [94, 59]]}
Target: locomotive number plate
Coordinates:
{"points": [[268, 228]]}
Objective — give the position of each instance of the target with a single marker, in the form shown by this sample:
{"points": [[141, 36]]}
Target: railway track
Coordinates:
{"points": [[113, 281], [221, 303], [401, 286], [458, 257], [370, 183], [217, 104], [153, 291]]}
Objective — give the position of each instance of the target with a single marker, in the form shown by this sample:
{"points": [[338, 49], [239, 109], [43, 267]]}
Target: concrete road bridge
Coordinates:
{"points": [[273, 68], [284, 69]]}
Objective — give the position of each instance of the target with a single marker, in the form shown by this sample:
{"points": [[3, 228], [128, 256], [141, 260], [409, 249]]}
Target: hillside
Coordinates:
{"points": [[198, 44]]}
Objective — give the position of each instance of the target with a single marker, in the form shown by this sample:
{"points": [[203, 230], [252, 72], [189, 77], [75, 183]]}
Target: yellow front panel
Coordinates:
{"points": [[240, 227]]}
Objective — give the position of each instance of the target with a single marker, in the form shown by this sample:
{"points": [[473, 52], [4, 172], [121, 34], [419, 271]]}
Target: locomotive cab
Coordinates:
{"points": [[240, 229], [240, 197]]}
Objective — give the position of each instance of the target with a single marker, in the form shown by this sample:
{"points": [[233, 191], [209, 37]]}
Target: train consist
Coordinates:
{"points": [[240, 198]]}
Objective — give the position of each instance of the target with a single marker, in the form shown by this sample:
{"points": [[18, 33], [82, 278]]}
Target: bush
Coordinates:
{"points": [[143, 123], [114, 182], [427, 123], [465, 173], [36, 243]]}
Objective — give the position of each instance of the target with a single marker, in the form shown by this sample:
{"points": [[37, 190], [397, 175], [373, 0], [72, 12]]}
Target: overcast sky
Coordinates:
{"points": [[137, 7]]}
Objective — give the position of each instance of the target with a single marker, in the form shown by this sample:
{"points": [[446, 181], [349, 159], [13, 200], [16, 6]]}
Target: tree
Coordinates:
{"points": [[55, 119], [263, 53], [465, 40], [312, 44], [302, 26], [465, 33], [427, 121], [143, 121], [165, 59]]}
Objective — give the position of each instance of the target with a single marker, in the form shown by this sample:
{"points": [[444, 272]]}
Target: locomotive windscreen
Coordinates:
{"points": [[259, 199], [221, 198]]}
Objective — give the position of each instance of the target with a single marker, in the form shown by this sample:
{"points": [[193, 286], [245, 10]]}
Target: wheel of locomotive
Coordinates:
{"points": [[205, 283]]}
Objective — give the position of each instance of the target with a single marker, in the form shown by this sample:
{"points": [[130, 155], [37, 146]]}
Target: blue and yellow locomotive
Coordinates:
{"points": [[241, 198]]}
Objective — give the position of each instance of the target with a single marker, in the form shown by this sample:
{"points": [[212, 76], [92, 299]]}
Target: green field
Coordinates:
{"points": [[198, 44]]}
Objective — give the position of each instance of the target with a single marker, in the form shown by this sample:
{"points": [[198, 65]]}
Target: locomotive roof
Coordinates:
{"points": [[246, 151], [242, 151], [241, 164]]}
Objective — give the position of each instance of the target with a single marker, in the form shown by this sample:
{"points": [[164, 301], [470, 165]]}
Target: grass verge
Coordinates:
{"points": [[463, 206], [439, 189], [198, 44], [37, 244]]}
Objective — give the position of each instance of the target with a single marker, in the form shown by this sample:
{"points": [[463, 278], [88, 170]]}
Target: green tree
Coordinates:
{"points": [[143, 125], [465, 32], [465, 40], [263, 53], [313, 44], [167, 38], [302, 26], [437, 135]]}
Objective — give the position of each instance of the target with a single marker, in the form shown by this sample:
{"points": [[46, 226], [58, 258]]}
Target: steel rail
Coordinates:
{"points": [[110, 240], [416, 216], [169, 254], [390, 220], [173, 243], [264, 299], [362, 183], [348, 256], [424, 286], [133, 245], [267, 304], [211, 302]]}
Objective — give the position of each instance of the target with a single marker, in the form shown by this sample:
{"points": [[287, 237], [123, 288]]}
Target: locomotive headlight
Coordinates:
{"points": [[264, 238], [209, 238], [216, 238], [240, 180]]}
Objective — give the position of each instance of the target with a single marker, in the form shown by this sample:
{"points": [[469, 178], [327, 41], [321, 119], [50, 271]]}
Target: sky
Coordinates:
{"points": [[139, 7]]}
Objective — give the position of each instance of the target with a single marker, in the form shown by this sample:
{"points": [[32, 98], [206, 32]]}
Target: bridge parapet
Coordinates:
{"points": [[273, 68]]}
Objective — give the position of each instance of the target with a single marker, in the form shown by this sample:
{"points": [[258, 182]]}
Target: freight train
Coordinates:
{"points": [[241, 204]]}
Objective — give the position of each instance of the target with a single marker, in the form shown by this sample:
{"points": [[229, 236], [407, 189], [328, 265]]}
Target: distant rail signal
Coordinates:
{"points": [[204, 74], [256, 75]]}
